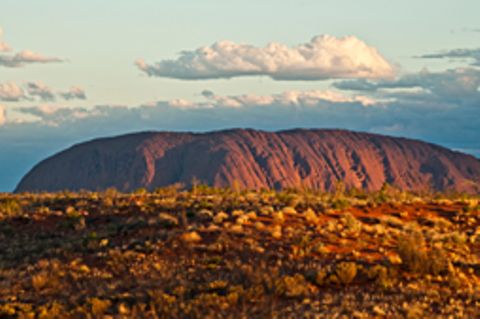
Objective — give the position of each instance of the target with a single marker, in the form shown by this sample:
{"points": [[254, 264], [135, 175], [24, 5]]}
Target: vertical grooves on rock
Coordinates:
{"points": [[256, 159]]}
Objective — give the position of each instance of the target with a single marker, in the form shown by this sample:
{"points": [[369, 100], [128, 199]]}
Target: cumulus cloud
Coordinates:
{"points": [[11, 92], [472, 55], [324, 57], [74, 92]]}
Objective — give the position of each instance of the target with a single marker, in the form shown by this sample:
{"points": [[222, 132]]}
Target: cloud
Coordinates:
{"points": [[74, 92], [39, 89], [455, 123], [207, 93], [3, 115], [324, 57], [465, 54], [23, 58], [451, 87], [57, 116], [4, 47], [11, 92], [292, 97]]}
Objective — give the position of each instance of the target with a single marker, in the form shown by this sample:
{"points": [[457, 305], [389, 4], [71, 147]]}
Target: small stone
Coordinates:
{"points": [[168, 219], [220, 217], [378, 311], [191, 237], [237, 228]]}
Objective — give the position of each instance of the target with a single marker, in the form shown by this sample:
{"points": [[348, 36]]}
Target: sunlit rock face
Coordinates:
{"points": [[255, 159]]}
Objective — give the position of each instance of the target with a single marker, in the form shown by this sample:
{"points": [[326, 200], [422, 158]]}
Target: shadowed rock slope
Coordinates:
{"points": [[255, 159]]}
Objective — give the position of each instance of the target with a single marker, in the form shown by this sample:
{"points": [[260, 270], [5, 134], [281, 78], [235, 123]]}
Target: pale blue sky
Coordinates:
{"points": [[100, 40]]}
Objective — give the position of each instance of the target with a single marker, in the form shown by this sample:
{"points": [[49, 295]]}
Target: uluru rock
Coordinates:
{"points": [[255, 159]]}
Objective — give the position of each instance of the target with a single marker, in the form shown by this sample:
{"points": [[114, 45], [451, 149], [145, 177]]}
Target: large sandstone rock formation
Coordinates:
{"points": [[255, 159]]}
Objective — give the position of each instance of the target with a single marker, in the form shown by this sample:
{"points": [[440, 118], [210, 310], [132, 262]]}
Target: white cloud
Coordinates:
{"points": [[11, 92], [74, 92], [324, 57]]}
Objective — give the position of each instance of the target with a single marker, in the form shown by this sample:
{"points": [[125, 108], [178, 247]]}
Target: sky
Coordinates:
{"points": [[72, 71]]}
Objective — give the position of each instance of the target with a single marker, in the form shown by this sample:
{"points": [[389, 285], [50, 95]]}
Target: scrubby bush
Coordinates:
{"points": [[417, 258], [10, 207], [292, 286], [346, 272], [411, 249]]}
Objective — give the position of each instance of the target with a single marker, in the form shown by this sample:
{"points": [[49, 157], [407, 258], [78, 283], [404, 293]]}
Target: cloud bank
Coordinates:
{"points": [[324, 57], [412, 106]]}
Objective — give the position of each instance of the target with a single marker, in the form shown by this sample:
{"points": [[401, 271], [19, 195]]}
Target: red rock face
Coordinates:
{"points": [[256, 159]]}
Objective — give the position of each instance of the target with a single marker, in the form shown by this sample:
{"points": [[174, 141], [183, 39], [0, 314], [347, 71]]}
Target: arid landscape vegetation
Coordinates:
{"points": [[217, 252]]}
